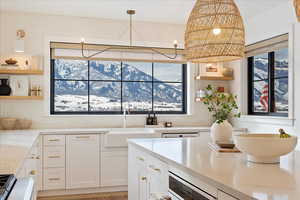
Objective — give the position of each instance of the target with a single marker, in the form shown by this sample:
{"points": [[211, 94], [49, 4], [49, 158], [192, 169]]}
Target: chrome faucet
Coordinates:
{"points": [[125, 112]]}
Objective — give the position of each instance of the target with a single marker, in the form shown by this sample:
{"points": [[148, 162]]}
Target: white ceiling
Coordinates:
{"points": [[165, 11]]}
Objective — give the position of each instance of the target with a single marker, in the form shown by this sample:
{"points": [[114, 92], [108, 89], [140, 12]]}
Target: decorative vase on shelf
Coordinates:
{"points": [[5, 90], [221, 132]]}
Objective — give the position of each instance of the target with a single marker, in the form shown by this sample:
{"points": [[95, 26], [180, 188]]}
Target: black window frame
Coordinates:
{"points": [[271, 83], [89, 112]]}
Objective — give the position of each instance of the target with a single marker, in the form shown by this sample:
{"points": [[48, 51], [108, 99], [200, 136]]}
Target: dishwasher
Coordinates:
{"points": [[180, 135]]}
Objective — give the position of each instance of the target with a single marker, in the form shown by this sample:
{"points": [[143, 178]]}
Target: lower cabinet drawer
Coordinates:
{"points": [[54, 140], [54, 178], [54, 156]]}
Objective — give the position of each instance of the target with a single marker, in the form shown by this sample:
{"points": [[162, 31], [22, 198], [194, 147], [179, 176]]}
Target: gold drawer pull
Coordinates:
{"points": [[154, 168], [53, 140], [81, 137], [38, 157], [33, 172], [144, 178], [53, 179], [141, 159], [53, 156]]}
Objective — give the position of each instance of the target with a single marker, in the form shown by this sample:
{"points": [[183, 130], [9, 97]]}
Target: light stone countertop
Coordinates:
{"points": [[15, 145], [14, 148], [228, 171]]}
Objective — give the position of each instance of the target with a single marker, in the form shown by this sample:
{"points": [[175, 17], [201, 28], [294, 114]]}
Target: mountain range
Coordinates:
{"points": [[111, 88]]}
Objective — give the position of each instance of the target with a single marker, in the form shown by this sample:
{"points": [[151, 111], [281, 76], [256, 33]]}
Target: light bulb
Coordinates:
{"points": [[216, 31], [175, 43], [82, 40]]}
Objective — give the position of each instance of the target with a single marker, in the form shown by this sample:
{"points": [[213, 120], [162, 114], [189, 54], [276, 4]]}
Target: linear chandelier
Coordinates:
{"points": [[214, 32], [130, 13]]}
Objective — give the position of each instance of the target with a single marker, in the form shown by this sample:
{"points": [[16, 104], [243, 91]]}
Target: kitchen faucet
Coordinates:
{"points": [[125, 111]]}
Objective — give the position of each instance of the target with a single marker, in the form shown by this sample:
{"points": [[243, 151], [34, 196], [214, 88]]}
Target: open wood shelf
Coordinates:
{"points": [[214, 78], [22, 71], [21, 97]]}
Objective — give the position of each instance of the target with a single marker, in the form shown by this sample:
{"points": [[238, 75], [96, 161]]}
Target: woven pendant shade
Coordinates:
{"points": [[214, 32], [297, 8]]}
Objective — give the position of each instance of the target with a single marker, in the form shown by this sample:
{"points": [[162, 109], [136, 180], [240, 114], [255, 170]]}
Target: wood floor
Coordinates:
{"points": [[98, 196]]}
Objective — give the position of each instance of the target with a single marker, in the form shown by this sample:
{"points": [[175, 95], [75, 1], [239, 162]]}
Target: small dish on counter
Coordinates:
{"points": [[264, 148]]}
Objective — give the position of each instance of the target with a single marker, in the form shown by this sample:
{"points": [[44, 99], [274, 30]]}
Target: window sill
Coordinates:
{"points": [[272, 120]]}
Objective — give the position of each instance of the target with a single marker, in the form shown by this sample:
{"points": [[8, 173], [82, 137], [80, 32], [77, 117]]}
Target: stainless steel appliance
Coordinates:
{"points": [[16, 189], [180, 189], [180, 135]]}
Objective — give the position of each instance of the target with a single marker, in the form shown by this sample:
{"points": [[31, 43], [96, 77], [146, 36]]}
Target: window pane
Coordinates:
{"points": [[261, 67], [105, 96], [137, 71], [281, 63], [281, 95], [137, 96], [71, 69], [260, 96], [167, 72], [168, 96], [71, 96], [105, 70]]}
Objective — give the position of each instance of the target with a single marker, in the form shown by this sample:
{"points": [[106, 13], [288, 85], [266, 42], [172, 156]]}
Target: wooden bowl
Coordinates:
{"points": [[11, 61], [8, 123], [23, 124]]}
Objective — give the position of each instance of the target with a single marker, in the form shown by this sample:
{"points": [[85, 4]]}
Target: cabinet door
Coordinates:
{"points": [[143, 184], [114, 176], [137, 175], [157, 177], [82, 161]]}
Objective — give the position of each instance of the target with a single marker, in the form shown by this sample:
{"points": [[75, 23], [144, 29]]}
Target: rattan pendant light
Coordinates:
{"points": [[297, 8], [214, 32]]}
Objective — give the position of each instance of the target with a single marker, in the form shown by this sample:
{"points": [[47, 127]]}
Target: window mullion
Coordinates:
{"points": [[271, 82], [88, 85]]}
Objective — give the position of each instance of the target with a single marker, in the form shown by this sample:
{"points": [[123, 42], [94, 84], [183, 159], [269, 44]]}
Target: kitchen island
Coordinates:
{"points": [[223, 176]]}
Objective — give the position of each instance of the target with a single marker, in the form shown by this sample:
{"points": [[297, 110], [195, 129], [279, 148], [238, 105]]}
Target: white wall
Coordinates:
{"points": [[40, 27], [274, 22]]}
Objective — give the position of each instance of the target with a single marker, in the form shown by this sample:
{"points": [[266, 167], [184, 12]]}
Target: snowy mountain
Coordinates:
{"points": [[111, 71]]}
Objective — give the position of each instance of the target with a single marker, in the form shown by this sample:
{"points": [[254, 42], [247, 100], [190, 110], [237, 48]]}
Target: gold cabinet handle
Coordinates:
{"points": [[32, 172], [53, 140], [53, 156], [154, 168], [141, 159], [82, 137], [53, 179], [144, 178]]}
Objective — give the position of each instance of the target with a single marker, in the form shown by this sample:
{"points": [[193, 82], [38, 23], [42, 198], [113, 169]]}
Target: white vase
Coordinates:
{"points": [[221, 132]]}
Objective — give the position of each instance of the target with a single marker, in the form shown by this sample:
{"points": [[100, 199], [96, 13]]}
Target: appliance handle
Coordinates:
{"points": [[199, 191], [22, 190]]}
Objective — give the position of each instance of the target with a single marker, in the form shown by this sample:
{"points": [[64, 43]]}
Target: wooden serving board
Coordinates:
{"points": [[216, 148]]}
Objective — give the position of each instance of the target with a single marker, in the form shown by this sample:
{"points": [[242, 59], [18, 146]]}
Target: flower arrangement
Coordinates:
{"points": [[221, 105]]}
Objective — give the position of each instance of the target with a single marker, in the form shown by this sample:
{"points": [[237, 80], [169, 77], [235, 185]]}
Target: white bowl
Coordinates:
{"points": [[264, 148]]}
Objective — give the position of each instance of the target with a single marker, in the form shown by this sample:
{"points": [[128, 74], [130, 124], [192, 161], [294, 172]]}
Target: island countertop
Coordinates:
{"points": [[228, 171]]}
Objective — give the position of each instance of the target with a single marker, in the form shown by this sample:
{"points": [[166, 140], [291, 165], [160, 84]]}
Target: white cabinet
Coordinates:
{"points": [[158, 177], [30, 167], [54, 162], [147, 177], [54, 178], [114, 167], [82, 161]]}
